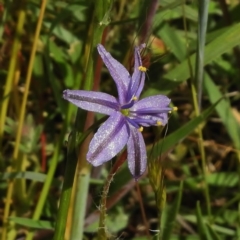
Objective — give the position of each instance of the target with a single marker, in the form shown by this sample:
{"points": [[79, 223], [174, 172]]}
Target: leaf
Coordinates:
{"points": [[39, 177], [221, 44], [217, 228], [202, 229], [172, 139], [223, 179], [224, 111], [106, 18], [173, 9], [213, 234], [173, 41], [32, 223], [202, 29], [170, 214]]}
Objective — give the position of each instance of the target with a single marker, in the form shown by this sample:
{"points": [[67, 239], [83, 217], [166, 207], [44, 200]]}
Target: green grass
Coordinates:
{"points": [[191, 190]]}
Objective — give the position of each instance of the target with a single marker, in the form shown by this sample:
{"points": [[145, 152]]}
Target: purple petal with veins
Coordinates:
{"points": [[92, 101], [137, 156], [155, 109], [118, 72], [127, 114], [158, 101], [138, 77], [109, 140]]}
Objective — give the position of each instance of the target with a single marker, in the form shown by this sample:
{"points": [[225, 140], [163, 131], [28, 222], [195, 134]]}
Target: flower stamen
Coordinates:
{"points": [[142, 69], [173, 109], [140, 129], [134, 98], [159, 123]]}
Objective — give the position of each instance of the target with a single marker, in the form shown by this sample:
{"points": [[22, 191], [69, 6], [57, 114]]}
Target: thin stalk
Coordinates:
{"points": [[27, 85], [195, 94], [103, 234], [199, 72], [81, 194], [67, 188], [70, 204], [74, 142], [4, 17], [11, 70], [102, 229], [4, 107], [19, 161], [69, 176], [47, 184], [16, 98], [23, 108], [144, 218], [202, 29], [202, 153], [84, 169], [148, 11]]}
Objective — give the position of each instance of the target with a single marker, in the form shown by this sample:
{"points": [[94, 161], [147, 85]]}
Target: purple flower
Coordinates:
{"points": [[127, 114]]}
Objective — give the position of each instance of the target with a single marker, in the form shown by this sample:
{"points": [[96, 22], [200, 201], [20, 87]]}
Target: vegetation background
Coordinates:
{"points": [[47, 189]]}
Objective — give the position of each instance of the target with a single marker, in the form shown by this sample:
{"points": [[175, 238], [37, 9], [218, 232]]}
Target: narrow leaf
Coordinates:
{"points": [[39, 177], [224, 111], [170, 214], [222, 44], [202, 229], [26, 222], [172, 139]]}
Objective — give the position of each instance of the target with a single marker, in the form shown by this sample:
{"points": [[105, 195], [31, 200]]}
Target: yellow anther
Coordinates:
{"points": [[142, 68], [174, 109], [159, 123], [134, 98], [140, 129]]}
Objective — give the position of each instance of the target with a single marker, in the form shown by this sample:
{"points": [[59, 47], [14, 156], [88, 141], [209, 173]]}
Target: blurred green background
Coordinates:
{"points": [[191, 189]]}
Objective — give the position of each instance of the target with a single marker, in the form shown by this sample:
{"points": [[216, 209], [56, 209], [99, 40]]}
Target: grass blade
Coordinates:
{"points": [[202, 29], [170, 214]]}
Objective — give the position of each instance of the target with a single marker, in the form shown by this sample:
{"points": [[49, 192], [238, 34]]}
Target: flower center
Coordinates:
{"points": [[125, 112]]}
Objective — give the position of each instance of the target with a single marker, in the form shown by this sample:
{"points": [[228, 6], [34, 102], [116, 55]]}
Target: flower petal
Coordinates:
{"points": [[118, 72], [138, 77], [92, 101], [137, 156], [152, 103], [157, 101], [109, 140]]}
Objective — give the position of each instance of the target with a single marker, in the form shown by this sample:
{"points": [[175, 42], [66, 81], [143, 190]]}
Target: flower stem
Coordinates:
{"points": [[67, 188], [196, 100], [73, 144], [84, 169]]}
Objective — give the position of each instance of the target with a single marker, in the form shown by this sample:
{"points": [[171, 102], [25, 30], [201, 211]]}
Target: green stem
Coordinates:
{"points": [[199, 72], [47, 184], [195, 94], [74, 142], [4, 17], [202, 29], [103, 234], [4, 107], [11, 70], [84, 169], [67, 188], [202, 153]]}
